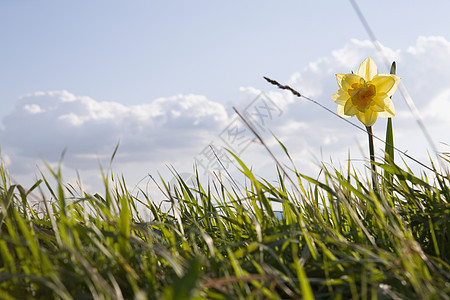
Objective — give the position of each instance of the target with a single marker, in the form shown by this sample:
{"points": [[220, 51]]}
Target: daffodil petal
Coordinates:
{"points": [[379, 102], [339, 79], [395, 86], [340, 97], [368, 118], [385, 114], [340, 111], [389, 110], [350, 109], [383, 82], [377, 108], [349, 79], [368, 69]]}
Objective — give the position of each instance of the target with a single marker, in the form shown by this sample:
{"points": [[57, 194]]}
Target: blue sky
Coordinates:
{"points": [[136, 51], [140, 64]]}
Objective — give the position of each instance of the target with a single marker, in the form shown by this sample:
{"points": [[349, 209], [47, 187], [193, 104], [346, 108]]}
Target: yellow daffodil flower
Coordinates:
{"points": [[366, 94]]}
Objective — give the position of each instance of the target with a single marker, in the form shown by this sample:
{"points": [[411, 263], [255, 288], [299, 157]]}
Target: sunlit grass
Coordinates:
{"points": [[337, 239]]}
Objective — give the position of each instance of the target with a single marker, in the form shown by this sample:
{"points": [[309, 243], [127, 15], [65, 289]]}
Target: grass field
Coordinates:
{"points": [[337, 239]]}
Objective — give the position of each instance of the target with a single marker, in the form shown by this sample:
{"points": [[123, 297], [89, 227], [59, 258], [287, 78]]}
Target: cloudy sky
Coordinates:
{"points": [[161, 78]]}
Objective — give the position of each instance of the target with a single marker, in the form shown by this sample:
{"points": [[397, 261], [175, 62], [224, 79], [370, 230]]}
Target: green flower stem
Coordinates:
{"points": [[372, 158]]}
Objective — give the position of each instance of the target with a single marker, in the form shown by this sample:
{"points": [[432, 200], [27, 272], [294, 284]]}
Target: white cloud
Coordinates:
{"points": [[33, 108], [46, 123], [174, 129], [438, 110]]}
